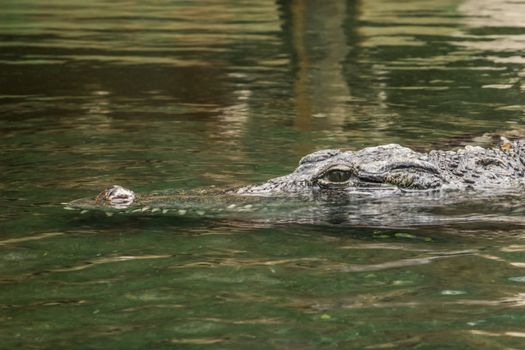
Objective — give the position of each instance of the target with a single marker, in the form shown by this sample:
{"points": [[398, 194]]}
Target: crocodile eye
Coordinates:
{"points": [[336, 176]]}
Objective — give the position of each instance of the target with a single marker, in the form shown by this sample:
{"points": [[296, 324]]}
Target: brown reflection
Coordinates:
{"points": [[319, 43], [302, 98], [364, 68], [500, 25]]}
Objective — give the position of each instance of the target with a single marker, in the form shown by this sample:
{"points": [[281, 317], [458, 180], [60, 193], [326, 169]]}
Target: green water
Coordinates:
{"points": [[156, 95]]}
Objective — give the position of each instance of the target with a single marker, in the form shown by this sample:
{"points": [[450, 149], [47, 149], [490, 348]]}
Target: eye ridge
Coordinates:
{"points": [[409, 166]]}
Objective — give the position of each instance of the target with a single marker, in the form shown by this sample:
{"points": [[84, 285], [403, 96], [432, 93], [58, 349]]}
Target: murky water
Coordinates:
{"points": [[182, 94]]}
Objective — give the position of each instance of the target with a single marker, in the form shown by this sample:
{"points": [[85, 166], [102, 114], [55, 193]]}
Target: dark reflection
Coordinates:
{"points": [[122, 86], [316, 35], [395, 71]]}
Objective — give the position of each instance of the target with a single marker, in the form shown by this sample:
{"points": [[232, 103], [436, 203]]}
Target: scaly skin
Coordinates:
{"points": [[388, 171], [394, 169]]}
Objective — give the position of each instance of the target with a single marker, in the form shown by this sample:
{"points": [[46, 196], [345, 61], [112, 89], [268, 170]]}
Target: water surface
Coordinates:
{"points": [[182, 94]]}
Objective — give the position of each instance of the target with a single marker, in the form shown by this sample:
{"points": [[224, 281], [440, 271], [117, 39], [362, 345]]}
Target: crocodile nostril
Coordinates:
{"points": [[116, 196]]}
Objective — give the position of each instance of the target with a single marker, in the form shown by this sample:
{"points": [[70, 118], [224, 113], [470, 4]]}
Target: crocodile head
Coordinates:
{"points": [[373, 170], [333, 173], [372, 186], [378, 171]]}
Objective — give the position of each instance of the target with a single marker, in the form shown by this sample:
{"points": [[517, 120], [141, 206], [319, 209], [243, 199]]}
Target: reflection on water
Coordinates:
{"points": [[178, 94]]}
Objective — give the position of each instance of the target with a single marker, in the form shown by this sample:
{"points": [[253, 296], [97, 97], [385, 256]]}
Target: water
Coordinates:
{"points": [[180, 94]]}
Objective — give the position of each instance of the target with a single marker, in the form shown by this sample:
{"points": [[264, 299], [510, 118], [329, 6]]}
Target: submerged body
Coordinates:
{"points": [[380, 179]]}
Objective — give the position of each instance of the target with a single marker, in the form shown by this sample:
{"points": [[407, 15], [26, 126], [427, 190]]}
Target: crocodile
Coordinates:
{"points": [[370, 182]]}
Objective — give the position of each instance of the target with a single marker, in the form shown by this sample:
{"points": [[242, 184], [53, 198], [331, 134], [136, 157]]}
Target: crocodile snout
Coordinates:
{"points": [[116, 196]]}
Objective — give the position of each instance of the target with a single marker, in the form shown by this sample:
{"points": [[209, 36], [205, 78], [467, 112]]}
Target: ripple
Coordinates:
{"points": [[82, 266], [270, 321], [520, 279], [498, 334], [199, 341], [249, 262], [31, 238], [109, 260], [452, 292]]}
